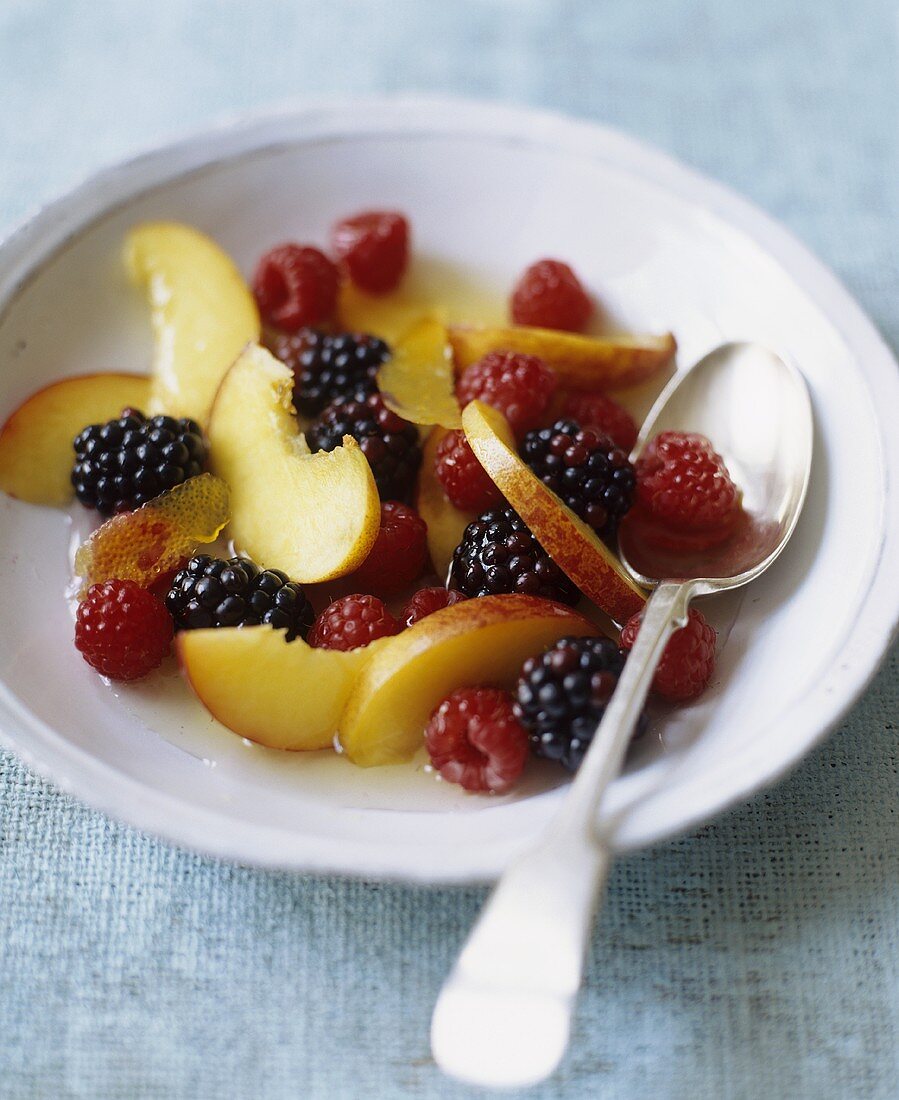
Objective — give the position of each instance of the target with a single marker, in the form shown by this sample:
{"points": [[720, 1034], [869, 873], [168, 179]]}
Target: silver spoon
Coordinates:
{"points": [[504, 1015]]}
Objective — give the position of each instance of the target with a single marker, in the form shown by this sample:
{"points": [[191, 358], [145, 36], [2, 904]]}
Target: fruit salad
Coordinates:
{"points": [[361, 522]]}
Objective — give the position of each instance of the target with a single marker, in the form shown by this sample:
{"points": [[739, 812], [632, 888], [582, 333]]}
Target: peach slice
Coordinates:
{"points": [[283, 695], [36, 455], [446, 523], [572, 545], [482, 641], [581, 362], [417, 382], [316, 516], [149, 542], [203, 314]]}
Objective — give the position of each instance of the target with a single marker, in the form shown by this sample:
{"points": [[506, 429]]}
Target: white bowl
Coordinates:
{"points": [[489, 189]]}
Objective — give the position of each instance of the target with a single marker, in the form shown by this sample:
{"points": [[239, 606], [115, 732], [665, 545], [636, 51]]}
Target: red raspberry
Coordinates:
{"points": [[426, 601], [688, 661], [400, 551], [550, 295], [520, 386], [684, 486], [351, 622], [595, 410], [122, 630], [373, 249], [295, 286], [464, 479], [475, 740]]}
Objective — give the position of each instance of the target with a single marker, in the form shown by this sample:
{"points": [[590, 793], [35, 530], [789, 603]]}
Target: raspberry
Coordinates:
{"points": [[373, 249], [426, 601], [210, 592], [550, 295], [390, 443], [352, 622], [400, 551], [684, 486], [124, 463], [327, 367], [563, 693], [499, 553], [463, 478], [295, 286], [595, 410], [520, 386], [688, 661], [585, 470], [475, 740], [122, 630]]}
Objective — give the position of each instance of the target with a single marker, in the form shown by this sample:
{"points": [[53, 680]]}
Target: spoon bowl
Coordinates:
{"points": [[755, 408]]}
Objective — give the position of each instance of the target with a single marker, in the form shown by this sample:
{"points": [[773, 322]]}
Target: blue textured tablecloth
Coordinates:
{"points": [[756, 958]]}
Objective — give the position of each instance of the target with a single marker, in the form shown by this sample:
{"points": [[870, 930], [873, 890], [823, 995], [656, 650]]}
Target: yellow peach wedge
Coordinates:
{"points": [[482, 641], [285, 695], [572, 545], [446, 523], [36, 453], [316, 516], [417, 381], [581, 362], [149, 542], [202, 311]]}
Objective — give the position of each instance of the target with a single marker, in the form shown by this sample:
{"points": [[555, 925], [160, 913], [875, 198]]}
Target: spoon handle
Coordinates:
{"points": [[665, 611], [523, 961]]}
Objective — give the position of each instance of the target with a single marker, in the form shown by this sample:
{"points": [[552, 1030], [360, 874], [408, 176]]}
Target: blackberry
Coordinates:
{"points": [[210, 592], [388, 442], [327, 367], [562, 695], [498, 553], [124, 463], [583, 467]]}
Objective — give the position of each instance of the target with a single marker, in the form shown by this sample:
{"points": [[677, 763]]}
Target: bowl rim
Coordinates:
{"points": [[42, 233]]}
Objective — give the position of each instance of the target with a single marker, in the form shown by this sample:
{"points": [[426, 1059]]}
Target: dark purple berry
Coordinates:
{"points": [[390, 443], [498, 553], [124, 463], [327, 367], [562, 695], [583, 467], [211, 592]]}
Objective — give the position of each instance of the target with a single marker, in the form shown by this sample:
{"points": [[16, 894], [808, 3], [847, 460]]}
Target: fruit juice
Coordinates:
{"points": [[432, 288]]}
